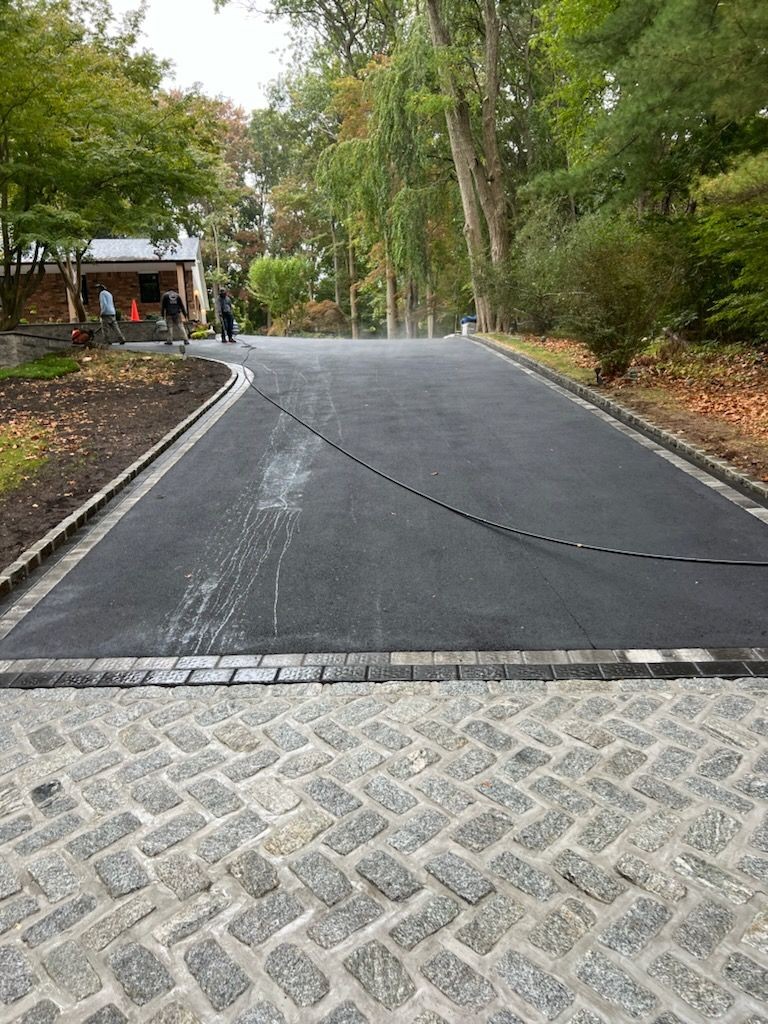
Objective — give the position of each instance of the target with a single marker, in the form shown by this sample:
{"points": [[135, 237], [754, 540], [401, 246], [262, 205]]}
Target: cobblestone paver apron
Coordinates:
{"points": [[575, 851]]}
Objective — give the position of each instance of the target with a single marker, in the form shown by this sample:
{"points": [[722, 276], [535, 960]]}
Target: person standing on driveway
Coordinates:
{"points": [[227, 317], [172, 308], [108, 315]]}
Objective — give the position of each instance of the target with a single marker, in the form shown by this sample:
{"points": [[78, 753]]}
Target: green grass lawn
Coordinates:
{"points": [[556, 360], [22, 453], [48, 367]]}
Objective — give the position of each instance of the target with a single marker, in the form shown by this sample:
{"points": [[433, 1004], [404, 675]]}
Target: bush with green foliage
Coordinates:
{"points": [[732, 233], [281, 283], [620, 279], [536, 268]]}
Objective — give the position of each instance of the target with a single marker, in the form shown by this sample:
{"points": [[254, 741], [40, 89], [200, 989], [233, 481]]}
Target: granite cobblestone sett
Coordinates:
{"points": [[588, 850]]}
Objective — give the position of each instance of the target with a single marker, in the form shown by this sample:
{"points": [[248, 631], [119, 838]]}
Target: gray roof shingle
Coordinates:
{"points": [[140, 250], [137, 250]]}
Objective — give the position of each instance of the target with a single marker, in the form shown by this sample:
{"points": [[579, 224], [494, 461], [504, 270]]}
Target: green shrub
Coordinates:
{"points": [[731, 235], [737, 239], [621, 279], [281, 283], [535, 275]]}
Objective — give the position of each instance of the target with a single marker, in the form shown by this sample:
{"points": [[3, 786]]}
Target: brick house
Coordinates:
{"points": [[131, 268]]}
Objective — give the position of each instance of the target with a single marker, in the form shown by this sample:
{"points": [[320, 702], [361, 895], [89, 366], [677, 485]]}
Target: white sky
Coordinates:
{"points": [[232, 53]]}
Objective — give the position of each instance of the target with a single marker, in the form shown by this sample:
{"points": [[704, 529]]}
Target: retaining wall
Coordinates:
{"points": [[30, 341]]}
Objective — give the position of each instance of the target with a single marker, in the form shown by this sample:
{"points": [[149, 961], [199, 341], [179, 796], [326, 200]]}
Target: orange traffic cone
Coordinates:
{"points": [[134, 312]]}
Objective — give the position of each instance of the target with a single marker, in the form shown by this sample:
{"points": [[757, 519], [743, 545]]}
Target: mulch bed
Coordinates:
{"points": [[97, 422]]}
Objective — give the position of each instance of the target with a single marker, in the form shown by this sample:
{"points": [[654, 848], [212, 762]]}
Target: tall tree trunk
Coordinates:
{"points": [[411, 309], [392, 325], [18, 285], [336, 264], [71, 269], [463, 153], [430, 312], [354, 316], [489, 175], [479, 174]]}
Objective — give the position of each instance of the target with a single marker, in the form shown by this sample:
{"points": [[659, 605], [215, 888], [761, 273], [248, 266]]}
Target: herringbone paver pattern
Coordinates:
{"points": [[574, 851]]}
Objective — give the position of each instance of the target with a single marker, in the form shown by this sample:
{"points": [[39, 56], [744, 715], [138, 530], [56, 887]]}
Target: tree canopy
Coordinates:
{"points": [[537, 130], [281, 284], [419, 160], [90, 144]]}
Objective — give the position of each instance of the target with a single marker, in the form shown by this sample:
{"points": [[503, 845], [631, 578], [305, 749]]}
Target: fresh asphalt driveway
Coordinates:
{"points": [[262, 538]]}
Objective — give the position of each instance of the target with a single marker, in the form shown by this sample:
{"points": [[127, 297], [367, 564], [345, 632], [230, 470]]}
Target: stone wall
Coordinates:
{"points": [[30, 341], [16, 349]]}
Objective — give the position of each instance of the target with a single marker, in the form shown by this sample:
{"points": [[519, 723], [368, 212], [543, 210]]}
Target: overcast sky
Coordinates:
{"points": [[231, 53]]}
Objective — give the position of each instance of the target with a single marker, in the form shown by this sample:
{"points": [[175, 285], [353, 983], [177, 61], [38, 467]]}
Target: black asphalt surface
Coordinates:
{"points": [[264, 539]]}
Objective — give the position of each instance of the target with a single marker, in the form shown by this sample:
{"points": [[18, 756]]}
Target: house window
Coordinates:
{"points": [[149, 287], [84, 289]]}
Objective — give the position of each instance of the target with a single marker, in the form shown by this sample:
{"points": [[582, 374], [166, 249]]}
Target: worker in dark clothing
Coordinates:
{"points": [[227, 317], [172, 308]]}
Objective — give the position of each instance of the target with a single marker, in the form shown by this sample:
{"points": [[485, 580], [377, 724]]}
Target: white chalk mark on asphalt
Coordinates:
{"points": [[290, 529], [218, 600]]}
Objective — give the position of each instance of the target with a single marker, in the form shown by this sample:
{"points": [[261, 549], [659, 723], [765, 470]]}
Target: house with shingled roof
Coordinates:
{"points": [[131, 268]]}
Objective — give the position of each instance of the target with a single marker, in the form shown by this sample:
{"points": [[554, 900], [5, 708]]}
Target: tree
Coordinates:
{"points": [[90, 146], [339, 37], [652, 94], [421, 223], [490, 79], [144, 167], [281, 283], [32, 143], [351, 31], [732, 230], [660, 106], [233, 217], [542, 129]]}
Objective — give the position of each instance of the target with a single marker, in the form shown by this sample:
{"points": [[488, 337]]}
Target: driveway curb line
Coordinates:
{"points": [[458, 671], [34, 556], [718, 468]]}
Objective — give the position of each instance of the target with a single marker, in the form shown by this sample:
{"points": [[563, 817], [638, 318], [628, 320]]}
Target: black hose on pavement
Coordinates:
{"points": [[490, 522]]}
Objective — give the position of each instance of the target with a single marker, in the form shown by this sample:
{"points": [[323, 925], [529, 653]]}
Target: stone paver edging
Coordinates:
{"points": [[19, 570], [382, 667], [579, 852], [719, 468]]}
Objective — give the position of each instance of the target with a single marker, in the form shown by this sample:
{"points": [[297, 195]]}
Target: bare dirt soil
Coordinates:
{"points": [[89, 426]]}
